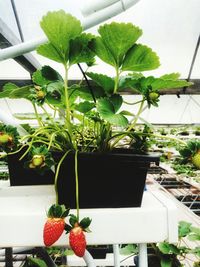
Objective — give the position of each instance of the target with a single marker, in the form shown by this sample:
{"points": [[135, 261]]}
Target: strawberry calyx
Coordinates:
{"points": [[57, 211], [73, 223]]}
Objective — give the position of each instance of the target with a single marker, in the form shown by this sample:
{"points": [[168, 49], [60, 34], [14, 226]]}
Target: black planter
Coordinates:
{"points": [[106, 180], [22, 176], [100, 251]]}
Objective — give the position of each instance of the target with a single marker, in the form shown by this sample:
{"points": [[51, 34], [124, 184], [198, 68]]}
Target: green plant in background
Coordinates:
{"points": [[191, 153], [172, 255], [165, 254]]}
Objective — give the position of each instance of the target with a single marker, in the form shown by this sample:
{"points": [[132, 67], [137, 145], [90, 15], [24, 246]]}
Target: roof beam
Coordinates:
{"points": [[7, 39]]}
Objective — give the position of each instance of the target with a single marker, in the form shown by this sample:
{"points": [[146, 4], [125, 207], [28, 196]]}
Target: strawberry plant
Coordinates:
{"points": [[87, 116]]}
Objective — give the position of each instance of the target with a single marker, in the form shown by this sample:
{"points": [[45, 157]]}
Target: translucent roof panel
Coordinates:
{"points": [[171, 28]]}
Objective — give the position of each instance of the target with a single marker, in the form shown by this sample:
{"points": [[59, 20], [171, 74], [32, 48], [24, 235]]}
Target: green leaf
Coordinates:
{"points": [[35, 262], [99, 48], [84, 107], [107, 111], [106, 82], [85, 93], [60, 28], [194, 237], [129, 249], [171, 76], [49, 51], [183, 229], [79, 49], [196, 251], [159, 84], [166, 262], [38, 79], [195, 230], [174, 249], [117, 101], [164, 247], [7, 90], [118, 38], [21, 92], [50, 74], [140, 58], [126, 113], [55, 93]]}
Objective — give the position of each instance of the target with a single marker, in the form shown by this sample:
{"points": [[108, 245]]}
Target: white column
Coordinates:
{"points": [[116, 255], [143, 261]]}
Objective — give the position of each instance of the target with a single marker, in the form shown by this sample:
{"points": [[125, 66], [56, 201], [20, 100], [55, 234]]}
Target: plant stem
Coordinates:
{"points": [[116, 80], [49, 117], [137, 115], [36, 114], [56, 175], [77, 185], [134, 103], [67, 122], [168, 138]]}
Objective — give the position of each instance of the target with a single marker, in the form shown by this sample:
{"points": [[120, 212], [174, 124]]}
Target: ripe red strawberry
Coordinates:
{"points": [[77, 240], [53, 229], [55, 224]]}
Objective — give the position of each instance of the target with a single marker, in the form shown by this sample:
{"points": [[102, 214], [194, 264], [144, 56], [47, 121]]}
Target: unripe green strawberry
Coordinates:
{"points": [[40, 94], [37, 161], [196, 160], [153, 96], [53, 229], [77, 240], [5, 138]]}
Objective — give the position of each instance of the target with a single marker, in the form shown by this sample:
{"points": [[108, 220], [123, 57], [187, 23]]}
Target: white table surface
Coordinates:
{"points": [[23, 214]]}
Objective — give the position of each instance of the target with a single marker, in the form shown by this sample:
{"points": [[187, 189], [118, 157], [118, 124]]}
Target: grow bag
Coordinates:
{"points": [[106, 180]]}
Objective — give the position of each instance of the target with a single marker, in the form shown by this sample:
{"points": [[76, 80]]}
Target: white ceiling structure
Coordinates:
{"points": [[170, 27]]}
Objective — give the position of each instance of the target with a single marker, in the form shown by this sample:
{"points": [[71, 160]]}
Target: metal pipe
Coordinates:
{"points": [[90, 21]]}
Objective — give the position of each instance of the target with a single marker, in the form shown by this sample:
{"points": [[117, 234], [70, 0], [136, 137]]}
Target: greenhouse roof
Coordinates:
{"points": [[171, 28]]}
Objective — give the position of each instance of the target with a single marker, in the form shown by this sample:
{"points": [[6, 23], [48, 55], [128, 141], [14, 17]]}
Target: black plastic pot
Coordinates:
{"points": [[100, 251], [22, 176], [106, 180]]}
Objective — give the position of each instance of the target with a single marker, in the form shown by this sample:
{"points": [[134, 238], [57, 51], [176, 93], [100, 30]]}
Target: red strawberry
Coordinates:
{"points": [[53, 229], [55, 224], [77, 240]]}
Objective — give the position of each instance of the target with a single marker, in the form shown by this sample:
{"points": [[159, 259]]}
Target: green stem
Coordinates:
{"points": [[116, 80], [168, 138], [49, 117], [67, 122], [77, 185], [137, 116], [36, 114], [57, 172], [134, 103]]}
